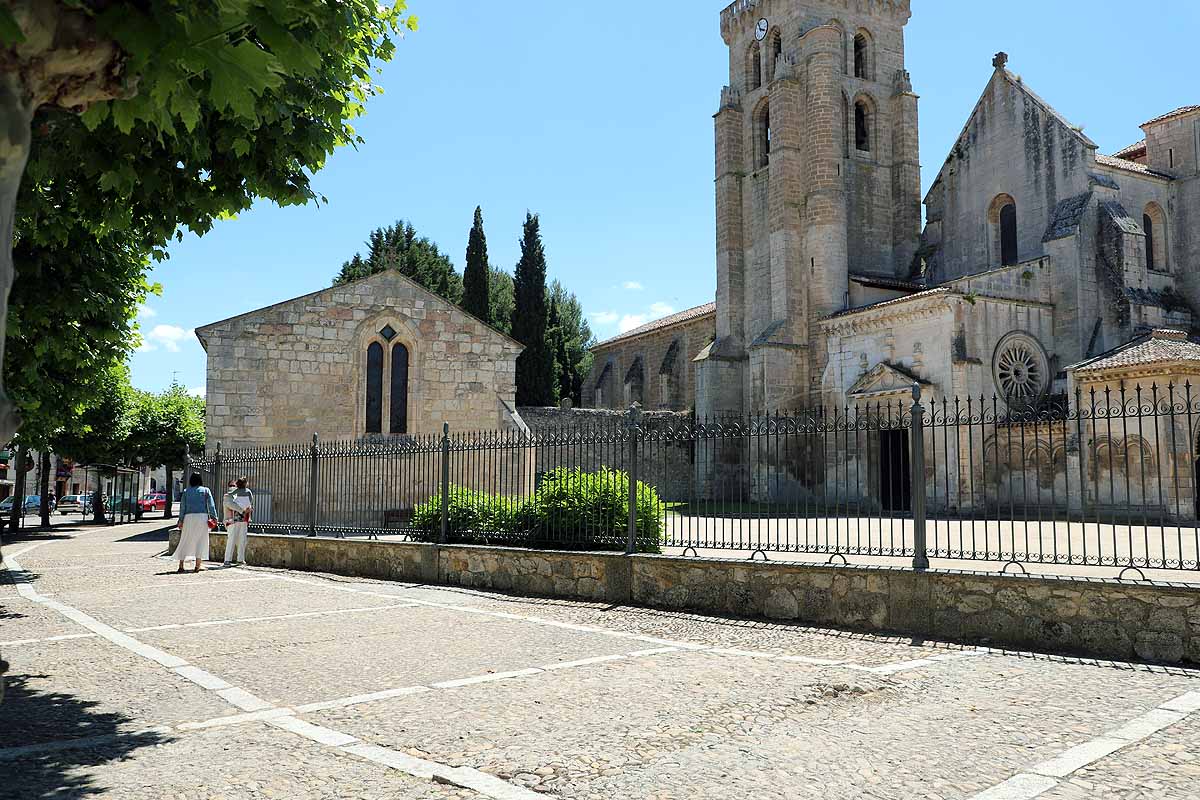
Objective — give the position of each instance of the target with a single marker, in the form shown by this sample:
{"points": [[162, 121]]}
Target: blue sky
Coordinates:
{"points": [[598, 117]]}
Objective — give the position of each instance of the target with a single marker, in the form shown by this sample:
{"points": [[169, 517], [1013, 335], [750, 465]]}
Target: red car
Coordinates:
{"points": [[153, 502]]}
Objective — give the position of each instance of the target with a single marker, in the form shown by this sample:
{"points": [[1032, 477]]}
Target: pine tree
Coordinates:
{"points": [[535, 366], [563, 377], [399, 247], [501, 299], [476, 297], [577, 341]]}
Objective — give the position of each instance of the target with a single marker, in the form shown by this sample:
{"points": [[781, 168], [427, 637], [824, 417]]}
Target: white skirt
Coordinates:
{"points": [[193, 541]]}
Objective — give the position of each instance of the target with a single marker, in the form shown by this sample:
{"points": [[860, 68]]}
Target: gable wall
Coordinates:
{"points": [[281, 374]]}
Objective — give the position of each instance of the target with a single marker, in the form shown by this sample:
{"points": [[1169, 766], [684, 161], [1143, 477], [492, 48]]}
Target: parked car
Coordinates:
{"points": [[155, 501], [32, 505], [74, 503]]}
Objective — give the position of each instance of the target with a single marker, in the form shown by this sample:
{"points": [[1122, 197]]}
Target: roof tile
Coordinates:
{"points": [[1176, 113], [664, 322], [1159, 347]]}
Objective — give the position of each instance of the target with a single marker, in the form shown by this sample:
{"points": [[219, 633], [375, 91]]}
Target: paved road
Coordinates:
{"points": [[131, 682]]}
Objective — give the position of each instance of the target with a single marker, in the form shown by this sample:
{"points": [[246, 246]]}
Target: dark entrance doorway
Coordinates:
{"points": [[895, 472]]}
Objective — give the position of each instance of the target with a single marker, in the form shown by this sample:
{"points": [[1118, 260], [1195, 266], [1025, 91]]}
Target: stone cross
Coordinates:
{"points": [[1000, 61]]}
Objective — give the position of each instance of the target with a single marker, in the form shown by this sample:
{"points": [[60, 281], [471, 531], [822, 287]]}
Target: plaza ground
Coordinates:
{"points": [[130, 681]]}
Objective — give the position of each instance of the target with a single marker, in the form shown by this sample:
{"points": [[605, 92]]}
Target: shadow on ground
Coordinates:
{"points": [[38, 717], [158, 535]]}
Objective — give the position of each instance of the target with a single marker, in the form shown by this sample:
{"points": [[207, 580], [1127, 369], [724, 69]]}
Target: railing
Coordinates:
{"points": [[1102, 479]]}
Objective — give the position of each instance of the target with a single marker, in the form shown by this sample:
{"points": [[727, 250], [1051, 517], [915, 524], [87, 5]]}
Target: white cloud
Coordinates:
{"points": [[167, 336], [197, 391], [146, 312], [661, 309], [605, 317], [631, 321], [632, 286]]}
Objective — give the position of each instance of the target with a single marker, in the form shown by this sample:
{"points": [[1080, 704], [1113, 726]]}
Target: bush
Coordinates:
{"points": [[571, 510]]}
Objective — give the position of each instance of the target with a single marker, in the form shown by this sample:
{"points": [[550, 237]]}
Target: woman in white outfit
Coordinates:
{"points": [[238, 503], [196, 508]]}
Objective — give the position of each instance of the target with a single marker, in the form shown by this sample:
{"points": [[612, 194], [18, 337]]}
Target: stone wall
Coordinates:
{"points": [[1093, 617], [282, 373], [667, 374]]}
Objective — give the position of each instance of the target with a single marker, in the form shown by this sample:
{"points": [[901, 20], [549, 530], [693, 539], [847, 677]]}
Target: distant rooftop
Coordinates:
{"points": [[1131, 152], [1176, 113], [1158, 347], [664, 322], [1130, 166]]}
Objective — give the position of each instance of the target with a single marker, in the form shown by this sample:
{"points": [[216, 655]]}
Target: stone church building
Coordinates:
{"points": [[378, 357], [1038, 252]]}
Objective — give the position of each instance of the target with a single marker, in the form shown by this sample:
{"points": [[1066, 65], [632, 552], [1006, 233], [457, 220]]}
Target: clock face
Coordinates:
{"points": [[760, 32]]}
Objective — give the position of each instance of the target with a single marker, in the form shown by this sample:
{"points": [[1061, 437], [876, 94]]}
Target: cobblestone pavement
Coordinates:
{"points": [[129, 681]]}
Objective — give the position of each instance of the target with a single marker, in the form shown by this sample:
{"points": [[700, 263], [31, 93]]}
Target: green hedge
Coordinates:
{"points": [[571, 510]]}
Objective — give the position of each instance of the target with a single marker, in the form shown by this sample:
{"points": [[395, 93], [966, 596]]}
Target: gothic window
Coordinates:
{"points": [[863, 55], [375, 388], [754, 67], [1154, 222], [862, 127], [1020, 369], [399, 389], [762, 136], [774, 51]]}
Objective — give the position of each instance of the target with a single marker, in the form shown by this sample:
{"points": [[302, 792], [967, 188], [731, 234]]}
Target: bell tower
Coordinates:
{"points": [[817, 177]]}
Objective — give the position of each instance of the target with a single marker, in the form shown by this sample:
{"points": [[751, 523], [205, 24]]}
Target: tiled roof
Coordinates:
{"points": [[1159, 347], [1064, 221], [1134, 150], [664, 322], [1177, 112], [894, 301], [1130, 166]]}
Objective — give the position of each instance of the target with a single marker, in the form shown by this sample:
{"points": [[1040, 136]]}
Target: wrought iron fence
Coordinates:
{"points": [[1104, 478]]}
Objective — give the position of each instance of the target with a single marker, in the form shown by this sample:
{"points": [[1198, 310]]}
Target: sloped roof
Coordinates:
{"points": [[664, 322], [1157, 347], [894, 301], [1176, 113], [1129, 166], [1132, 151], [885, 378], [886, 282], [1064, 221]]}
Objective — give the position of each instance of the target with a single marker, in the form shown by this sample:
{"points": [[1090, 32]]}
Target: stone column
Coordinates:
{"points": [[906, 176]]}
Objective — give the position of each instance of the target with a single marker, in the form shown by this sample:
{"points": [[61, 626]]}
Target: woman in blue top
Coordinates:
{"points": [[196, 508]]}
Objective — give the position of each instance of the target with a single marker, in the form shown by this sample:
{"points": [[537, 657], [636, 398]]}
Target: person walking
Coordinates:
{"points": [[196, 508], [238, 504]]}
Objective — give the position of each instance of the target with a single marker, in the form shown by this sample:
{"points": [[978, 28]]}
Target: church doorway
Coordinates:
{"points": [[895, 472]]}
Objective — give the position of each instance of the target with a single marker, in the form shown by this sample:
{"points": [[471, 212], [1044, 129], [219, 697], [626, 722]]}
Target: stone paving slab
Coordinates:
{"points": [[21, 619], [87, 687], [691, 724], [300, 661], [225, 764], [1165, 766]]}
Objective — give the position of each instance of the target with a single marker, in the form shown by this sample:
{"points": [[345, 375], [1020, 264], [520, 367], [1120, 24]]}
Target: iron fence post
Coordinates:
{"points": [[632, 423], [313, 474], [445, 533], [216, 487], [917, 431]]}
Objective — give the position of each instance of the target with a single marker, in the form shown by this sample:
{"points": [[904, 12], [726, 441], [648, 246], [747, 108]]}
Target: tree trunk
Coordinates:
{"points": [[16, 114], [170, 490], [18, 495], [44, 489]]}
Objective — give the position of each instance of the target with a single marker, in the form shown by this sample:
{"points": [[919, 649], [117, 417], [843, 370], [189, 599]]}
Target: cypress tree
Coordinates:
{"points": [[476, 295], [535, 366]]}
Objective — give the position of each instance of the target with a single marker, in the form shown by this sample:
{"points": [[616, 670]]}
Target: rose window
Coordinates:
{"points": [[1020, 369]]}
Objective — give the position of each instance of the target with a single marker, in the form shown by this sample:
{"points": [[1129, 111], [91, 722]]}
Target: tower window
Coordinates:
{"points": [[399, 387], [754, 77], [862, 55], [774, 51], [862, 127], [762, 136], [1008, 235], [375, 388]]}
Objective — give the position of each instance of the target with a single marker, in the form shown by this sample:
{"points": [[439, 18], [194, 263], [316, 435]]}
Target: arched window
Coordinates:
{"points": [[375, 388], [754, 67], [399, 389], [862, 55], [1002, 216], [862, 127], [774, 51], [1154, 222], [635, 383], [762, 135]]}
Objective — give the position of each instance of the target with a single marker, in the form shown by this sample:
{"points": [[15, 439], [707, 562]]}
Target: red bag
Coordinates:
{"points": [[212, 524]]}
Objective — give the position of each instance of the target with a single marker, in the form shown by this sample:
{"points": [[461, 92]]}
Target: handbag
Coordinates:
{"points": [[212, 524]]}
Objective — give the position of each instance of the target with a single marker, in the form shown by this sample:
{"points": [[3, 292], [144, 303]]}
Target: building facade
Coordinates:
{"points": [[380, 357]]}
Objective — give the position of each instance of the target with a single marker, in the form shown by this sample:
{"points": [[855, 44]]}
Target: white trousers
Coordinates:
{"points": [[236, 537]]}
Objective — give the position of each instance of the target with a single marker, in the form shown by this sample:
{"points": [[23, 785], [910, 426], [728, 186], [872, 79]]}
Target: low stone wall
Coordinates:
{"points": [[1100, 618]]}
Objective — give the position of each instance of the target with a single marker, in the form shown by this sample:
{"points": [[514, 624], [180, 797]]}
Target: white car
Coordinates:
{"points": [[71, 503]]}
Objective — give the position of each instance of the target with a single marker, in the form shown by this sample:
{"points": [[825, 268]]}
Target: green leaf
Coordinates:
{"points": [[239, 74], [10, 31], [293, 55], [241, 147], [94, 115]]}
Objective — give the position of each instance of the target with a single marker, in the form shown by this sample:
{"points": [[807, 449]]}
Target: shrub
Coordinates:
{"points": [[571, 510]]}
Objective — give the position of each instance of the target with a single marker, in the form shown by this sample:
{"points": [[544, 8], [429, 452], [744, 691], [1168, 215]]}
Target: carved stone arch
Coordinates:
{"points": [[863, 55], [864, 126], [1154, 221], [375, 364], [754, 67], [760, 125]]}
